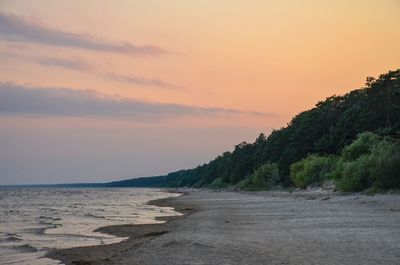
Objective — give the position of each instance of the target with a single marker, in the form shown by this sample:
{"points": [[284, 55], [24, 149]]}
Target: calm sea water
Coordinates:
{"points": [[32, 221]]}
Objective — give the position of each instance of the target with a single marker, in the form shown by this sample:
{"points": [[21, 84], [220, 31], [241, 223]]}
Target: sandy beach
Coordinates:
{"points": [[299, 228]]}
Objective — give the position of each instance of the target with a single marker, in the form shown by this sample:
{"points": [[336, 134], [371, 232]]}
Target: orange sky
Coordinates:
{"points": [[271, 57]]}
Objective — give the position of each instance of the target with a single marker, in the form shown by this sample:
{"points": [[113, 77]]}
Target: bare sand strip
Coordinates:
{"points": [[301, 228]]}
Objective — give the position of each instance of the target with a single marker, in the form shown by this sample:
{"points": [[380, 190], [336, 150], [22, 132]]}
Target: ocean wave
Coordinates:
{"points": [[53, 218], [35, 231], [12, 238], [49, 218], [25, 248], [49, 209], [95, 216]]}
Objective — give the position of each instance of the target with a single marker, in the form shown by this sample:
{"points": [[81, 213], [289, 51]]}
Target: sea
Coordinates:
{"points": [[35, 220]]}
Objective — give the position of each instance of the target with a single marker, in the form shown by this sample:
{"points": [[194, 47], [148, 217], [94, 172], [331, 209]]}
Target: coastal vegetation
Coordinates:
{"points": [[263, 178], [351, 139], [314, 169]]}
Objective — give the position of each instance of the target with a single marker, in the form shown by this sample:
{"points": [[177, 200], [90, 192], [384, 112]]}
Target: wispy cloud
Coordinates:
{"points": [[68, 63], [79, 64], [22, 100], [71, 63], [18, 29], [141, 81]]}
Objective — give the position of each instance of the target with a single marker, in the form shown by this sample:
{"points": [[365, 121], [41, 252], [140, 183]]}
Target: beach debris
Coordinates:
{"points": [[325, 198]]}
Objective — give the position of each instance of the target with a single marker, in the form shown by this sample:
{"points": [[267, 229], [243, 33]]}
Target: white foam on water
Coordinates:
{"points": [[33, 221]]}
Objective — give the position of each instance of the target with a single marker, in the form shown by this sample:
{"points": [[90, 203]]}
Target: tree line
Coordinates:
{"points": [[348, 139]]}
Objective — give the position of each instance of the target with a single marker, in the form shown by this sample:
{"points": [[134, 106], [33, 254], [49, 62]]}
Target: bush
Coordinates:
{"points": [[355, 175], [361, 146], [386, 156], [369, 162], [218, 183], [312, 170], [263, 178], [246, 184]]}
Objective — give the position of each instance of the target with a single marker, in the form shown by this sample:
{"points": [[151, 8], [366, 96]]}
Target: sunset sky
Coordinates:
{"points": [[101, 90]]}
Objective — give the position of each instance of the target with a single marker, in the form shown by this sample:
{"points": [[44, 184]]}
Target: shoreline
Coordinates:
{"points": [[227, 227], [136, 234]]}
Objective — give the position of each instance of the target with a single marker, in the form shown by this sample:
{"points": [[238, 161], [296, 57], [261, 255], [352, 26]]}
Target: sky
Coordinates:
{"points": [[98, 90]]}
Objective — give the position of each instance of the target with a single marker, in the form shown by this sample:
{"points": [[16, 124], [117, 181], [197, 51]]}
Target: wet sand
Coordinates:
{"points": [[302, 228]]}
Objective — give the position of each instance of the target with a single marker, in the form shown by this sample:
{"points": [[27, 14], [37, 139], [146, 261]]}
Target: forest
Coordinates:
{"points": [[351, 140]]}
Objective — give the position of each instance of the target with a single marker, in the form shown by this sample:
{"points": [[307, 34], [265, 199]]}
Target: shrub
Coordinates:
{"points": [[361, 146], [312, 170], [263, 178], [246, 184], [297, 174], [386, 156], [355, 175], [369, 162], [218, 183], [266, 176]]}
